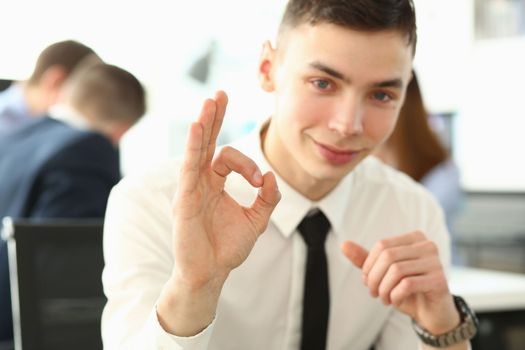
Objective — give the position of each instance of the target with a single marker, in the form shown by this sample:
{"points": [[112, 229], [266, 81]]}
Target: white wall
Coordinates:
{"points": [[481, 80], [491, 121], [445, 32]]}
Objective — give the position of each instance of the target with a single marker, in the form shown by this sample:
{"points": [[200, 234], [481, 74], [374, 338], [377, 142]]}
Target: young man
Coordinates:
{"points": [[51, 169], [26, 101], [197, 257]]}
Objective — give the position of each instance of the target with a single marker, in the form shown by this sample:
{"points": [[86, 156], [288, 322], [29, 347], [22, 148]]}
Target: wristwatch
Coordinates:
{"points": [[466, 330]]}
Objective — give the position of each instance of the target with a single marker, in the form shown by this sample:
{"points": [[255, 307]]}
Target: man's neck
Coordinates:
{"points": [[388, 155], [36, 102]]}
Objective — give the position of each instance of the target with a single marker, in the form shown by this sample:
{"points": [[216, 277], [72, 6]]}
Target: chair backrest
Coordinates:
{"points": [[55, 271], [4, 84]]}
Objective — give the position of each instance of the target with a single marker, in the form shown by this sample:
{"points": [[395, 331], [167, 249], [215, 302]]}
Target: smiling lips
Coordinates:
{"points": [[336, 157]]}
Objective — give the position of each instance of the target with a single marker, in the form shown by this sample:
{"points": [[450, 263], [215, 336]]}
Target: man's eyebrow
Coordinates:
{"points": [[328, 70], [394, 83]]}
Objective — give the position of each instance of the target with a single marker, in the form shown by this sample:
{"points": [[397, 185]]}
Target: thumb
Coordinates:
{"points": [[265, 202], [355, 253]]}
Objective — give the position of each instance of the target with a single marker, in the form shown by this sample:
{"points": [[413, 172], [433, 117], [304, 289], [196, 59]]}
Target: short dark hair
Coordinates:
{"points": [[107, 93], [368, 15], [65, 54]]}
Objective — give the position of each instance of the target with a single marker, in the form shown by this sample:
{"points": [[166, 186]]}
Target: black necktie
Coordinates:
{"points": [[316, 302]]}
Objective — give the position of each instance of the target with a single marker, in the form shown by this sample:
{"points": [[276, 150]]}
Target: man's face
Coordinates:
{"points": [[338, 93]]}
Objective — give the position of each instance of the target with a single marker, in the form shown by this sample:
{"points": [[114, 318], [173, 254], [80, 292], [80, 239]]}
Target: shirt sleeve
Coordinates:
{"points": [[397, 334], [155, 337], [138, 263]]}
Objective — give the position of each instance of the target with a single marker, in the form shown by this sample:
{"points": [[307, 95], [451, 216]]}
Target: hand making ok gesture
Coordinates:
{"points": [[212, 233]]}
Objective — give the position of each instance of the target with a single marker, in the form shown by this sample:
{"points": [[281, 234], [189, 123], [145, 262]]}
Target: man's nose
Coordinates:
{"points": [[348, 117]]}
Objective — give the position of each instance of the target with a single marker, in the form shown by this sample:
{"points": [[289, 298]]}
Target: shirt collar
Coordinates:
{"points": [[335, 203], [69, 115], [13, 102], [293, 206]]}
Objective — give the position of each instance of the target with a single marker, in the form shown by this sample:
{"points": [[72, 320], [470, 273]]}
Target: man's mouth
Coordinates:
{"points": [[337, 156]]}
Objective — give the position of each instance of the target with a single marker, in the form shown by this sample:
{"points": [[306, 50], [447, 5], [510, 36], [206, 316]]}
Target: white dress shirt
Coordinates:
{"points": [[70, 116], [260, 304], [14, 111]]}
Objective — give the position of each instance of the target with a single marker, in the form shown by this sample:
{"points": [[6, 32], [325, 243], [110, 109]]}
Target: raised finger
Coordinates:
{"points": [[387, 243], [190, 170], [221, 101], [207, 119], [229, 159]]}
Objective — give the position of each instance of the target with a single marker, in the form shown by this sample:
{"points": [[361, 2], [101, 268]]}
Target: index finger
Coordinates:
{"points": [[221, 101], [230, 159]]}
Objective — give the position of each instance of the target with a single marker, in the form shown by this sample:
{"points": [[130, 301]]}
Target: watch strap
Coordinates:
{"points": [[466, 330]]}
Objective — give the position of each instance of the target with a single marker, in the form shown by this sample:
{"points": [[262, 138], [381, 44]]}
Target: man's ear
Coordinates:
{"points": [[266, 67], [117, 131], [53, 77], [51, 83]]}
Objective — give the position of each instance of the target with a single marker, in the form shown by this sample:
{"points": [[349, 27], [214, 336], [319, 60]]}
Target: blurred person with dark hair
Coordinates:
{"points": [[26, 101], [101, 97], [66, 168], [415, 149]]}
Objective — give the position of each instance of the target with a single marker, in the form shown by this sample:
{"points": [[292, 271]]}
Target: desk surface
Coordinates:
{"points": [[488, 290]]}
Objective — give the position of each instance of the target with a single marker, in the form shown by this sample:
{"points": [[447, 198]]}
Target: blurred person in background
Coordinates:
{"points": [[65, 167], [415, 149], [26, 101]]}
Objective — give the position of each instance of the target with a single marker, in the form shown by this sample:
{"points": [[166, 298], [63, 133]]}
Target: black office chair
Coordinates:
{"points": [[56, 290], [4, 84]]}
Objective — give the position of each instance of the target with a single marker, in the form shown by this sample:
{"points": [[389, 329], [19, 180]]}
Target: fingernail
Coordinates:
{"points": [[257, 176]]}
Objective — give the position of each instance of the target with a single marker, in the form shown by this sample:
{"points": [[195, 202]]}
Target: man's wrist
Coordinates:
{"points": [[466, 329], [184, 310], [443, 327], [443, 321]]}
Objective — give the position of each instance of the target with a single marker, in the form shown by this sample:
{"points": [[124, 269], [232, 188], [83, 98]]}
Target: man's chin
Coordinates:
{"points": [[334, 173]]}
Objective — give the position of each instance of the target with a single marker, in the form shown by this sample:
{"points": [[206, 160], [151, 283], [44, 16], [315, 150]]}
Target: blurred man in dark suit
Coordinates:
{"points": [[25, 101], [66, 168]]}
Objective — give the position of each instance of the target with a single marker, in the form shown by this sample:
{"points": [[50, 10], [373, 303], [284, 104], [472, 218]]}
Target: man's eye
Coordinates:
{"points": [[382, 96], [322, 84]]}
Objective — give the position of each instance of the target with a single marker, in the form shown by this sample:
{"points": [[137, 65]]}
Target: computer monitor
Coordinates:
{"points": [[55, 271]]}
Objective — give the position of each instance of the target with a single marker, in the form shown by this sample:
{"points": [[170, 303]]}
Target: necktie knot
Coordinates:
{"points": [[314, 229]]}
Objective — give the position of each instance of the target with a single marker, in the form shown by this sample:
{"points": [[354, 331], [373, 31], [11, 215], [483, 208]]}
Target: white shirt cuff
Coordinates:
{"points": [[168, 341]]}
